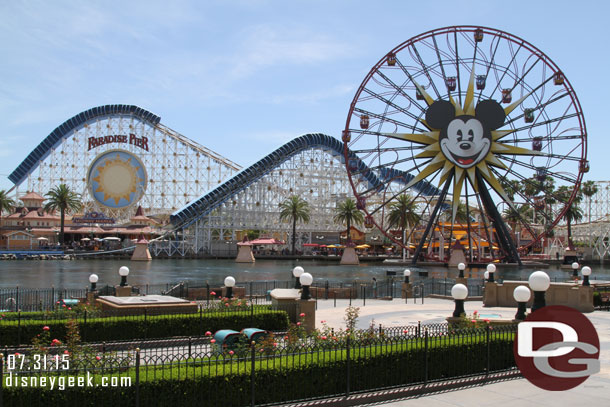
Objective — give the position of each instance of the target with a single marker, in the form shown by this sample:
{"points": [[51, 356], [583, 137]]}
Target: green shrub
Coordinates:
{"points": [[14, 332], [226, 381]]}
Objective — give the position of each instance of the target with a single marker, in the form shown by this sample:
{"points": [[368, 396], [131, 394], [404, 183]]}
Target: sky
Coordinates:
{"points": [[244, 77]]}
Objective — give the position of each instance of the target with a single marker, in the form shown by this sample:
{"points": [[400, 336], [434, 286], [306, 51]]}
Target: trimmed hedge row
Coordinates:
{"points": [[140, 327], [308, 378]]}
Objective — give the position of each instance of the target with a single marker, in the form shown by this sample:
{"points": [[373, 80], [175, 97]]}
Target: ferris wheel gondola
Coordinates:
{"points": [[476, 126]]}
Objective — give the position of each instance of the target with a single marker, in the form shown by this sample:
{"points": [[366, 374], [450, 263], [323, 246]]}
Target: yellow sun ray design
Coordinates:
{"points": [[117, 179], [454, 168]]}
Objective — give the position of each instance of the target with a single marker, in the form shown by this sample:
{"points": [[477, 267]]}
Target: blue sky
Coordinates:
{"points": [[244, 77]]}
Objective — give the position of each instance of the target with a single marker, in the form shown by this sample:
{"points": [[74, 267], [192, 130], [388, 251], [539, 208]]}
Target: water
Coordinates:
{"points": [[75, 274]]}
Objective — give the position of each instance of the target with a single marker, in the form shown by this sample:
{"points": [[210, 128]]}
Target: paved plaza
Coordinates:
{"points": [[518, 392]]}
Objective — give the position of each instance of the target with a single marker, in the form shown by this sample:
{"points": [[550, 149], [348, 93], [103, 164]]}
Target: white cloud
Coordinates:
{"points": [[266, 46]]}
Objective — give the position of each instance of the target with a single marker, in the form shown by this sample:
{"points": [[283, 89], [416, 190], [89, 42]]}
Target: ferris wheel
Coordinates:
{"points": [[480, 131]]}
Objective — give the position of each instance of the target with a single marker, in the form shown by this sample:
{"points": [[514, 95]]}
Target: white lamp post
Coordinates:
{"points": [[586, 272], [575, 266], [306, 280], [491, 268], [93, 280], [522, 295], [461, 267], [123, 272], [229, 283], [407, 273], [297, 272], [486, 275], [539, 282], [459, 292]]}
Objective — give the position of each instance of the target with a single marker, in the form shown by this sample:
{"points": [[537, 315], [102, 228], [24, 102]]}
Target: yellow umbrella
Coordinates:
{"points": [[363, 246]]}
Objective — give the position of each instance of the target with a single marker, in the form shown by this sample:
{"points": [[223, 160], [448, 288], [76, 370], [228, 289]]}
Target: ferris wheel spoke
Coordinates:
{"points": [[506, 70], [543, 123], [457, 67], [401, 91], [559, 175], [390, 103], [425, 69], [383, 118], [540, 143], [440, 61], [388, 149], [518, 141]]}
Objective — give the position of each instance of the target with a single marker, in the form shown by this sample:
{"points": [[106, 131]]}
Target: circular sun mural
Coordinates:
{"points": [[117, 179]]}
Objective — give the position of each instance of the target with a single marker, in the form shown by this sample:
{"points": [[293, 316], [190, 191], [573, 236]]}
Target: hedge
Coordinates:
{"points": [[13, 333], [293, 377]]}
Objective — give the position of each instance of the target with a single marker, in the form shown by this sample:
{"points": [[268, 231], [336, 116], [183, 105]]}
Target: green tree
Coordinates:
{"points": [[62, 198], [511, 187], [403, 214], [6, 203], [513, 216], [347, 213], [294, 209], [573, 212], [588, 189]]}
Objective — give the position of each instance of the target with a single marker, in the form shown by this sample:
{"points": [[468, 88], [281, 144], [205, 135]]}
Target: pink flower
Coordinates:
{"points": [[231, 352], [322, 322], [226, 304], [298, 324], [213, 293], [17, 353], [302, 314], [475, 313], [208, 333], [474, 321], [404, 331], [55, 342], [486, 320], [66, 352], [261, 350], [45, 328], [274, 343], [98, 358], [334, 338], [70, 308], [286, 337], [213, 341], [324, 338], [64, 305], [57, 302]]}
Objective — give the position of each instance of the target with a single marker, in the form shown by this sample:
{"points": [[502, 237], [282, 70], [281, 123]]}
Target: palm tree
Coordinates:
{"points": [[6, 203], [63, 198], [573, 214], [347, 213], [588, 189], [294, 209], [403, 214], [513, 216]]}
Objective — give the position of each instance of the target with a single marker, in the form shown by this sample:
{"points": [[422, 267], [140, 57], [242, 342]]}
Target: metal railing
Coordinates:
{"points": [[271, 371]]}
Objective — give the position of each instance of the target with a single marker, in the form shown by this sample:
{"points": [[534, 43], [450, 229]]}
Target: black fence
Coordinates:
{"points": [[274, 370], [45, 299]]}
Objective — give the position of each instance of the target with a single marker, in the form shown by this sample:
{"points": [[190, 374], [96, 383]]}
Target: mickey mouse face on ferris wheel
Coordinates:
{"points": [[465, 140]]}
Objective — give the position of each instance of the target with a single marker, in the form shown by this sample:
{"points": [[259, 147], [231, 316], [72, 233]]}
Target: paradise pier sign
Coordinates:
{"points": [[132, 139], [118, 157]]}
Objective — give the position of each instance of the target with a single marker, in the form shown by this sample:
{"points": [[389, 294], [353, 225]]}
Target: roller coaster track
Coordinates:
{"points": [[202, 206]]}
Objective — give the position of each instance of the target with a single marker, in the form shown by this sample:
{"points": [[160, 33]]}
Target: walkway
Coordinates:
{"points": [[519, 392]]}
